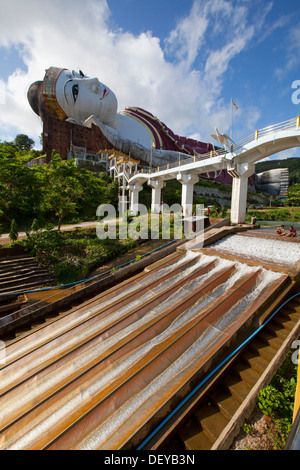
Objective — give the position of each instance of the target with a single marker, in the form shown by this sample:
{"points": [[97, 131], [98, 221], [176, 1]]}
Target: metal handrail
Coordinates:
{"points": [[289, 124]]}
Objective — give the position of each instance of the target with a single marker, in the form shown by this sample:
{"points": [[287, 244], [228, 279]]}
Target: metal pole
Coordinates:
{"points": [[231, 105]]}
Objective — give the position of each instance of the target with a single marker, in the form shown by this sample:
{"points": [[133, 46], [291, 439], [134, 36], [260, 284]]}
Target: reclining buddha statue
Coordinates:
{"points": [[74, 97]]}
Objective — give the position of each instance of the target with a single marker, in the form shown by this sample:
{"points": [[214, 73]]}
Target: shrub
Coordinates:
{"points": [[277, 400], [278, 214], [69, 270], [296, 215], [274, 402], [72, 255], [13, 234]]}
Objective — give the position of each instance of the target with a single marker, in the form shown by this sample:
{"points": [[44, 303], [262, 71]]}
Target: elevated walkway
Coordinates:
{"points": [[238, 161]]}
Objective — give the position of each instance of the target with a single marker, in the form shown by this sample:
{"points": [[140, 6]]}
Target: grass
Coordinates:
{"points": [[288, 214]]}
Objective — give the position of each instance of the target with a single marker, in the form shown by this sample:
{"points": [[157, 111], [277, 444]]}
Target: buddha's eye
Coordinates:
{"points": [[75, 91]]}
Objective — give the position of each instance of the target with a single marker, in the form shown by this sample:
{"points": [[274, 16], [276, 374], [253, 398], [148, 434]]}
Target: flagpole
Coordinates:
{"points": [[231, 103]]}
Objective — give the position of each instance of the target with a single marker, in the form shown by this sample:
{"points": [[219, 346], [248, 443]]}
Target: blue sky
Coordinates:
{"points": [[182, 60]]}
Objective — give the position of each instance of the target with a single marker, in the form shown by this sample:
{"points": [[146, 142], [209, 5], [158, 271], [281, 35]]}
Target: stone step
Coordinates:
{"points": [[273, 341], [290, 313], [246, 373], [257, 363], [14, 290], [15, 258], [285, 322], [276, 329], [43, 275], [22, 273], [231, 393], [11, 263], [293, 304], [264, 350], [237, 387], [211, 420], [225, 401], [37, 323], [15, 266], [194, 438]]}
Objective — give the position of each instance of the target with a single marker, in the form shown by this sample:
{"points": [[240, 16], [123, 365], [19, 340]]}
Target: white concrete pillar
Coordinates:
{"points": [[156, 186], [134, 190], [239, 199], [240, 174], [187, 180], [122, 198]]}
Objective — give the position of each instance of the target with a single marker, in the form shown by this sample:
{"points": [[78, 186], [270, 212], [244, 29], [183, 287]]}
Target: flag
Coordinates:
{"points": [[234, 105]]}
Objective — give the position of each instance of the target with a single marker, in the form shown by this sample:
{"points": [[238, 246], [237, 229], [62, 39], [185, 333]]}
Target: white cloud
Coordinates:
{"points": [[180, 81], [205, 42], [188, 36], [290, 153], [292, 53], [2, 92]]}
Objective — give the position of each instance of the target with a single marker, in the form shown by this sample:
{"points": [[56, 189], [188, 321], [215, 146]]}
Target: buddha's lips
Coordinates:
{"points": [[105, 92]]}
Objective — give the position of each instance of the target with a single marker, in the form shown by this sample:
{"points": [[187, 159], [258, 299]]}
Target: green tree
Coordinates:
{"points": [[23, 142], [35, 225], [7, 150], [294, 195], [53, 191], [1, 229], [13, 234], [69, 190], [62, 189], [96, 189], [20, 190]]}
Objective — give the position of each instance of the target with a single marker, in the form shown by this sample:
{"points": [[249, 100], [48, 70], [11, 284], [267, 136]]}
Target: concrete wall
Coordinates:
{"points": [[271, 181], [224, 197]]}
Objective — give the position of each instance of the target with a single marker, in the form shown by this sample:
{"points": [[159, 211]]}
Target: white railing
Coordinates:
{"points": [[120, 172], [126, 174], [290, 124]]}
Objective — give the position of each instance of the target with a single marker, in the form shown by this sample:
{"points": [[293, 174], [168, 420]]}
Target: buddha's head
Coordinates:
{"points": [[72, 95]]}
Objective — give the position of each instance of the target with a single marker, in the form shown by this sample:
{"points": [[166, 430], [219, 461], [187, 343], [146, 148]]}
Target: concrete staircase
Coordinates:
{"points": [[21, 273], [284, 182]]}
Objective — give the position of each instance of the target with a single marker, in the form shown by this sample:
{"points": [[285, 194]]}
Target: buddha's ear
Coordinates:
{"points": [[33, 96]]}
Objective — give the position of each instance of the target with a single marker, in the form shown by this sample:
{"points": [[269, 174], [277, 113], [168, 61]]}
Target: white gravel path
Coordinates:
{"points": [[276, 251]]}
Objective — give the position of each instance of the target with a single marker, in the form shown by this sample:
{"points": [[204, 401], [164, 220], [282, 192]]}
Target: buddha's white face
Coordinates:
{"points": [[80, 97]]}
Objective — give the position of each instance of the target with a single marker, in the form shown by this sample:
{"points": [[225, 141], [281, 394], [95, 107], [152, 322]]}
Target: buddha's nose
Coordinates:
{"points": [[92, 83]]}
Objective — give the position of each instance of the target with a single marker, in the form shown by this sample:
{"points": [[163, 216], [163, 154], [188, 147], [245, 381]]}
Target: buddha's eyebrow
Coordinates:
{"points": [[68, 81]]}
